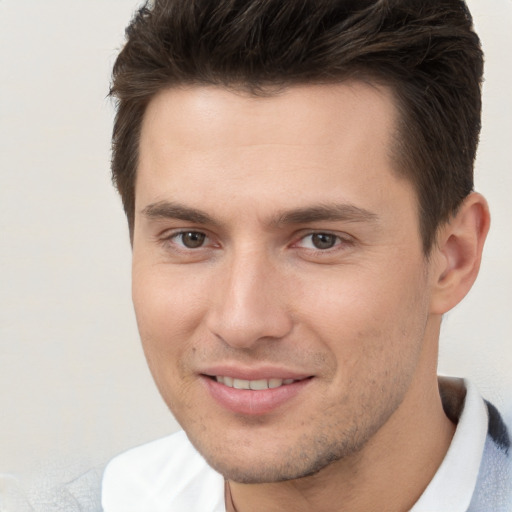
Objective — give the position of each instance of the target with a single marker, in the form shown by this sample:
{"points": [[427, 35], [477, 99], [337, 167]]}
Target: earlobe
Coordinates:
{"points": [[459, 249]]}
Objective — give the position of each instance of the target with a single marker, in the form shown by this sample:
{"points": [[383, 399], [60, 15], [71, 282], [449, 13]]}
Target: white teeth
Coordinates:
{"points": [[275, 383], [241, 384], [256, 385]]}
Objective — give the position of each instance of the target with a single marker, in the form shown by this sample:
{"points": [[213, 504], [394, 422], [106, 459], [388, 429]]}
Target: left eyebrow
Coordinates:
{"points": [[329, 212]]}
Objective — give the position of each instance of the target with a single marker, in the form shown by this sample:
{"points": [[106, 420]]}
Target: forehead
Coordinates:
{"points": [[324, 140], [298, 114]]}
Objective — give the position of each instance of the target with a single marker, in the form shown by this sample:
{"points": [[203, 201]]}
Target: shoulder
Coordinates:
{"points": [[494, 486], [165, 475]]}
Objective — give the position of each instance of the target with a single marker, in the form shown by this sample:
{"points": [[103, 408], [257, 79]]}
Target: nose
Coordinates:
{"points": [[249, 305]]}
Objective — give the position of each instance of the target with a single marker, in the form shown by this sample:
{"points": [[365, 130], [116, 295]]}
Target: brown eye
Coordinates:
{"points": [[323, 240], [192, 239]]}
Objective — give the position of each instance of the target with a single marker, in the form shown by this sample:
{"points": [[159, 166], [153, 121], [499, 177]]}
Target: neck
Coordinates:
{"points": [[389, 474]]}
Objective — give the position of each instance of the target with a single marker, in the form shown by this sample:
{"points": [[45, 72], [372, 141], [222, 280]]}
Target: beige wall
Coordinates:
{"points": [[75, 388]]}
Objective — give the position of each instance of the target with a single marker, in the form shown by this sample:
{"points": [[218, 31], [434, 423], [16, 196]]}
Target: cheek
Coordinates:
{"points": [[368, 315], [166, 304], [165, 328], [168, 312]]}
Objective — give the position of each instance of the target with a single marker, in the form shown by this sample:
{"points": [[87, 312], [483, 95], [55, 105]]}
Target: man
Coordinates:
{"points": [[297, 178]]}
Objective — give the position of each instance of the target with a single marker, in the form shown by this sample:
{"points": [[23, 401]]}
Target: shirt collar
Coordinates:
{"points": [[454, 482]]}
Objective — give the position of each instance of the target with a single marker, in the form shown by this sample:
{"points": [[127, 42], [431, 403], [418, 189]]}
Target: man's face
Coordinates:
{"points": [[275, 248]]}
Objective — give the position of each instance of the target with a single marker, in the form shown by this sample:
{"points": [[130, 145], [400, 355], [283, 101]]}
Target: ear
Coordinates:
{"points": [[458, 253]]}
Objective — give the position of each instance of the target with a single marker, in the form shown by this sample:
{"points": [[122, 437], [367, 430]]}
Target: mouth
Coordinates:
{"points": [[255, 385], [255, 396]]}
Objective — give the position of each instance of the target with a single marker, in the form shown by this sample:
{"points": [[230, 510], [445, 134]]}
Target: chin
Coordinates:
{"points": [[264, 474], [279, 466]]}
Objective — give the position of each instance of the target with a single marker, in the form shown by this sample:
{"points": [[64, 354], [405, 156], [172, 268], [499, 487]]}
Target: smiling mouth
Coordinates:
{"points": [[255, 385], [256, 396]]}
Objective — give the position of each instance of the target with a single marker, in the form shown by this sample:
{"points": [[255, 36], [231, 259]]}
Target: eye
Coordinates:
{"points": [[323, 240], [190, 239], [320, 241]]}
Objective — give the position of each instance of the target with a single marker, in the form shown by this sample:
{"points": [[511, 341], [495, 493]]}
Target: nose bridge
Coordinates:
{"points": [[250, 303]]}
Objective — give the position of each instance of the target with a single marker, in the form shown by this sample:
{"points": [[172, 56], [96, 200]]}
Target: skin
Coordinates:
{"points": [[255, 179]]}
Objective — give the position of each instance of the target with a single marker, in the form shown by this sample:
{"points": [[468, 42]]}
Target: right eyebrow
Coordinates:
{"points": [[170, 210]]}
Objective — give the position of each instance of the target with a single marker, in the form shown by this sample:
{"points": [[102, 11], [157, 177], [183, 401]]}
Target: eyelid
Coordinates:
{"points": [[342, 239], [169, 236]]}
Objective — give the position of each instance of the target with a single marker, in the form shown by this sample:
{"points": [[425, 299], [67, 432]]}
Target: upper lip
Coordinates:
{"points": [[253, 373]]}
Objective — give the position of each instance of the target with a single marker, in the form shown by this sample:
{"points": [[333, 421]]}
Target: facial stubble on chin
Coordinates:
{"points": [[309, 456]]}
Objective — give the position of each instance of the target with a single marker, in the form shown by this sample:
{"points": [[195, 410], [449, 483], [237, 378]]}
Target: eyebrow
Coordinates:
{"points": [[170, 210], [327, 212]]}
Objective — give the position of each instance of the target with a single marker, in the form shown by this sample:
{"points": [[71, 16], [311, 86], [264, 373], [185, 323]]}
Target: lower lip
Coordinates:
{"points": [[250, 402]]}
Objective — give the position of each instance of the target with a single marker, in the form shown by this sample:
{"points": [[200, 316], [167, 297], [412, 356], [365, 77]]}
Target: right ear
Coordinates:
{"points": [[459, 249]]}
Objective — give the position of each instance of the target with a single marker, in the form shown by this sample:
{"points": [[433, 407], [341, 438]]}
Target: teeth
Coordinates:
{"points": [[275, 383], [256, 385], [241, 384]]}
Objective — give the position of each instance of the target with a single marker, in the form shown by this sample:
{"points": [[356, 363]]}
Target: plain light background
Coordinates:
{"points": [[74, 385]]}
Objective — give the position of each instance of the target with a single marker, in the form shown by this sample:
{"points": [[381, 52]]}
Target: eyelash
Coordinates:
{"points": [[173, 237], [336, 242], [340, 242]]}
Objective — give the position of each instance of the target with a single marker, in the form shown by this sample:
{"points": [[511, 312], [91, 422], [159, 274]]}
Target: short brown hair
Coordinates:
{"points": [[426, 51]]}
